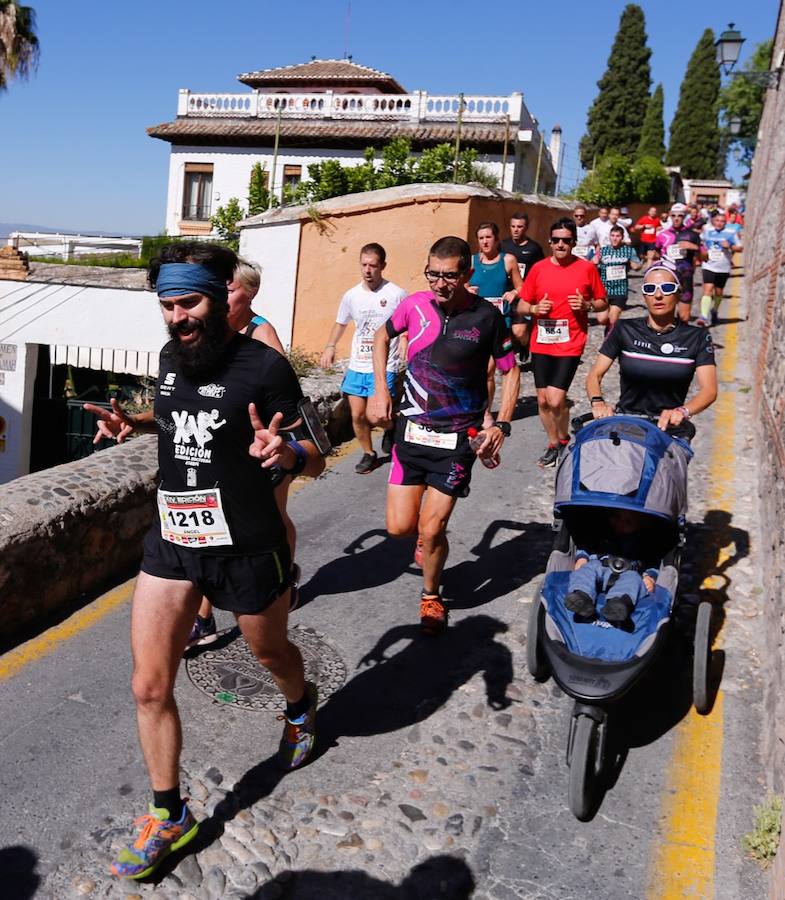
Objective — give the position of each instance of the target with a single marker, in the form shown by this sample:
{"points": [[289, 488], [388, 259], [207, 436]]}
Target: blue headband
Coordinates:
{"points": [[175, 279]]}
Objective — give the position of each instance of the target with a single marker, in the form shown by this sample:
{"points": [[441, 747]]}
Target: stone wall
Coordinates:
{"points": [[764, 293], [66, 530]]}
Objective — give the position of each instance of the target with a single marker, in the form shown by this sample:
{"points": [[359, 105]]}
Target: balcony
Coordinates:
{"points": [[417, 107]]}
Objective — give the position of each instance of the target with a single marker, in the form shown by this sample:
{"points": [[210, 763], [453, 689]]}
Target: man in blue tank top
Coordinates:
{"points": [[496, 278]]}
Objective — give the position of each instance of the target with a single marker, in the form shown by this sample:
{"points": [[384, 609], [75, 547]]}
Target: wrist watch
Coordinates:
{"points": [[504, 427]]}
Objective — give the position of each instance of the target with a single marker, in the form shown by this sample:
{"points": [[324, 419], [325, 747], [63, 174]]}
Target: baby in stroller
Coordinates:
{"points": [[613, 562]]}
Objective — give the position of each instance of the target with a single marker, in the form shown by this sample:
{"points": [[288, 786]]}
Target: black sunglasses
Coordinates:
{"points": [[449, 277], [561, 240]]}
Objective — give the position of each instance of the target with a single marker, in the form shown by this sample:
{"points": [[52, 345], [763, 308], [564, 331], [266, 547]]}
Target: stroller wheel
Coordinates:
{"points": [[701, 661], [585, 766], [535, 660]]}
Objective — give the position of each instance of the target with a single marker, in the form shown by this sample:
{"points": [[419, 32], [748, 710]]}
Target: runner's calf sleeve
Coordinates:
{"points": [[706, 304]]}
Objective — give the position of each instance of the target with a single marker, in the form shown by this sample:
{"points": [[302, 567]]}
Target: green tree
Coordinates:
{"points": [[19, 47], [743, 99], [610, 182], [695, 134], [225, 221], [650, 182], [652, 142], [616, 116], [258, 192]]}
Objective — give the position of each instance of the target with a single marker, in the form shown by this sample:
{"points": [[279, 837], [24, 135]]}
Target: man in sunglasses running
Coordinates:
{"points": [[559, 293], [452, 336]]}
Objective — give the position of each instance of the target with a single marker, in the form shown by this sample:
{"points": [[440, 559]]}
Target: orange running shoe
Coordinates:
{"points": [[433, 614]]}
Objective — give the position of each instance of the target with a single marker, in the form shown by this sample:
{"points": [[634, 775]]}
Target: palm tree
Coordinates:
{"points": [[18, 42]]}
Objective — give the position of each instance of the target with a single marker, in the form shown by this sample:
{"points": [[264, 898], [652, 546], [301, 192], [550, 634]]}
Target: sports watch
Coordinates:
{"points": [[504, 427]]}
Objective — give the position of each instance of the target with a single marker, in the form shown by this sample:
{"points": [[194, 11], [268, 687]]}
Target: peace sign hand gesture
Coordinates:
{"points": [[267, 444], [114, 425]]}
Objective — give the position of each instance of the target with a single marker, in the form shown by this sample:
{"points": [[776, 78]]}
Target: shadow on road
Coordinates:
{"points": [[389, 693], [437, 878], [371, 560], [17, 873], [500, 569]]}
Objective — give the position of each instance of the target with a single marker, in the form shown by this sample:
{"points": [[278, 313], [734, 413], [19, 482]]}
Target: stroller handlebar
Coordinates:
{"points": [[685, 430]]}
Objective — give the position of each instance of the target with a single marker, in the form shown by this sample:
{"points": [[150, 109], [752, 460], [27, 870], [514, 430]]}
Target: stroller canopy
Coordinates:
{"points": [[624, 462]]}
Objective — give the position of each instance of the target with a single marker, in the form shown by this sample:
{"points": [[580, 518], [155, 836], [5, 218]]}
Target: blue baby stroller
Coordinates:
{"points": [[616, 463]]}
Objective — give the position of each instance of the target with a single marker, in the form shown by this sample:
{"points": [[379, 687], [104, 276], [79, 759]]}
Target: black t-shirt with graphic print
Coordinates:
{"points": [[656, 368], [204, 432]]}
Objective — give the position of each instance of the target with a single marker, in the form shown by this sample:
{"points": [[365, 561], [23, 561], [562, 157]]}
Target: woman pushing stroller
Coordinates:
{"points": [[658, 356]]}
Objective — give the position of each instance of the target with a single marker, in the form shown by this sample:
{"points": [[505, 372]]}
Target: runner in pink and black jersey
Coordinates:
{"points": [[453, 334]]}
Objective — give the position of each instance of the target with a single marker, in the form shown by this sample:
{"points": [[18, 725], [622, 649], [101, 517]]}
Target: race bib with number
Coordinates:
{"points": [[553, 331], [716, 254], [674, 253], [581, 250], [365, 349], [427, 437], [193, 518], [615, 273]]}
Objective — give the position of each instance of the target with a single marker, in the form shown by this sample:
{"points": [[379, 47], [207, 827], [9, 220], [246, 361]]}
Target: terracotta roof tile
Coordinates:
{"points": [[338, 71], [322, 133]]}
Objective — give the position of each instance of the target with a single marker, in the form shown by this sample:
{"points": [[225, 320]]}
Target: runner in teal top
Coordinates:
{"points": [[615, 263]]}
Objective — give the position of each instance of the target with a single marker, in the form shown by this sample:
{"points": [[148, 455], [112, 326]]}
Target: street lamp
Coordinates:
{"points": [[734, 125], [728, 46]]}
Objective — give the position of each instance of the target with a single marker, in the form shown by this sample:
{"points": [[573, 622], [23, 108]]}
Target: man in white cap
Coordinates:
{"points": [[678, 244]]}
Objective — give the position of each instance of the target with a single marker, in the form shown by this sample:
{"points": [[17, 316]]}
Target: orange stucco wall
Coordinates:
{"points": [[329, 251]]}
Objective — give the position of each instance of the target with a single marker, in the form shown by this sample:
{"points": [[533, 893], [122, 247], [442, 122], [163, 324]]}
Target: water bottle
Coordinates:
{"points": [[476, 440]]}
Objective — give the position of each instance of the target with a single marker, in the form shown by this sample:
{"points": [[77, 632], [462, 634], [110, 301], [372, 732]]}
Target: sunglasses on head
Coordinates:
{"points": [[561, 240], [667, 287]]}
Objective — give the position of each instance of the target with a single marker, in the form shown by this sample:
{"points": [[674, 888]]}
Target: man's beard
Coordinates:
{"points": [[198, 360]]}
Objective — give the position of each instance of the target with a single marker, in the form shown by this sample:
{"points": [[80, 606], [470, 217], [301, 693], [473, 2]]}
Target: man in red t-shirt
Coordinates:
{"points": [[647, 225], [558, 292]]}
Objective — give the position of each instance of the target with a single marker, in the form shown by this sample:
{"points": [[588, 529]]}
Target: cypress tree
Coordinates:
{"points": [[616, 115], [652, 142], [695, 132]]}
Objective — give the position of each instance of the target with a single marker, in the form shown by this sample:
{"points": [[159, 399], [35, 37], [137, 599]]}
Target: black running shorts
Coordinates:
{"points": [[449, 471], [620, 302], [239, 584], [718, 279], [554, 371]]}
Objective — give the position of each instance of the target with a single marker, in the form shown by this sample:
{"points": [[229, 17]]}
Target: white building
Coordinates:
{"points": [[332, 109]]}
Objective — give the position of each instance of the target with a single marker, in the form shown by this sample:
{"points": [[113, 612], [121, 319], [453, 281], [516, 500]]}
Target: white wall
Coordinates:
{"points": [[87, 318], [276, 249], [232, 171]]}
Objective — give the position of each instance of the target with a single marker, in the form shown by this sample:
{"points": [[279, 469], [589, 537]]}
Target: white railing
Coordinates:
{"points": [[41, 243], [419, 106]]}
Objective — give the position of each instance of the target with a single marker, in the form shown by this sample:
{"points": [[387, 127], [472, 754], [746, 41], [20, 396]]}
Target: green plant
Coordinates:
{"points": [[695, 133], [650, 183], [225, 222], [303, 361], [610, 182], [258, 192], [616, 116], [762, 842], [652, 141]]}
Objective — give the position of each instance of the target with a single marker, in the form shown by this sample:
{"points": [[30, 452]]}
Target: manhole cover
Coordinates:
{"points": [[229, 673]]}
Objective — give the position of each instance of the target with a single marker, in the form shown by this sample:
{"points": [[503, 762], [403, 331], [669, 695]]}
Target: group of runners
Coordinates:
{"points": [[234, 429]]}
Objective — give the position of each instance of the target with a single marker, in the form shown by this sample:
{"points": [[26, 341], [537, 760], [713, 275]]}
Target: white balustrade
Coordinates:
{"points": [[419, 106]]}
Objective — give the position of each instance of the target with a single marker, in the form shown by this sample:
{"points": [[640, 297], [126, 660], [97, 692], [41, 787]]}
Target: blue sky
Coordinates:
{"points": [[74, 152]]}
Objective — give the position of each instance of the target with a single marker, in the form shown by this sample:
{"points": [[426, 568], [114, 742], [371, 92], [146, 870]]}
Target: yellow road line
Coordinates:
{"points": [[683, 857], [15, 660]]}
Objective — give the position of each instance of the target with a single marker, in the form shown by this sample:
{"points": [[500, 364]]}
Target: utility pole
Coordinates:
{"points": [[539, 163], [275, 153], [506, 146], [457, 138]]}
